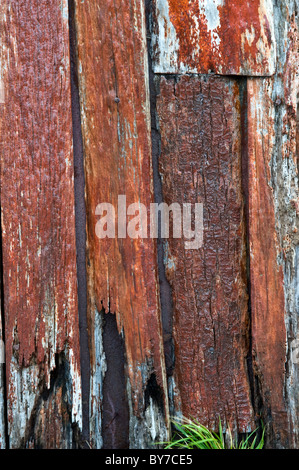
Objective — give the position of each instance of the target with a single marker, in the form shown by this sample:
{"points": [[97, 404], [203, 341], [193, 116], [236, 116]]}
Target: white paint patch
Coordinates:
{"points": [[76, 397], [64, 10], [150, 427], [155, 423], [22, 394], [266, 13], [97, 375], [2, 352], [211, 12], [2, 92], [175, 404], [165, 42]]}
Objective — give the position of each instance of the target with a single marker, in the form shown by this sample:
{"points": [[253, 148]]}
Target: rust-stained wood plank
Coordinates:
{"points": [[200, 125], [266, 274], [229, 37], [273, 235], [38, 230], [122, 273]]}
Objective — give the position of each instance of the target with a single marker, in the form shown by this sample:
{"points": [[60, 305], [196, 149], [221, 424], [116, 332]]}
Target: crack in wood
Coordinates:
{"points": [[115, 400], [80, 220]]}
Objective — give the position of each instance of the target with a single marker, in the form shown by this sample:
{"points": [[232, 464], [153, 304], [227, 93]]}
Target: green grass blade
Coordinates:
{"points": [[193, 435]]}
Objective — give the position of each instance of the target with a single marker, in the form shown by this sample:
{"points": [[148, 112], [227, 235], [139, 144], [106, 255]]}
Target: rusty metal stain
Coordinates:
{"points": [[228, 37], [37, 202], [122, 273], [200, 161]]}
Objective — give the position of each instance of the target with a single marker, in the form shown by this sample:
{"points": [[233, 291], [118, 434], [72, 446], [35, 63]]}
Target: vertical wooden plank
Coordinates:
{"points": [[200, 125], [266, 273], [273, 234], [113, 74], [38, 230], [234, 37]]}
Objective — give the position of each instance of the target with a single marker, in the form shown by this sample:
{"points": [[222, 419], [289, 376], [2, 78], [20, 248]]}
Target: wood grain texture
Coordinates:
{"points": [[200, 125], [38, 230], [229, 37], [273, 234], [266, 274], [122, 273]]}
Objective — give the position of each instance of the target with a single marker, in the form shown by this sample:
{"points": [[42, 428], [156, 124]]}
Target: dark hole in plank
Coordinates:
{"points": [[115, 403]]}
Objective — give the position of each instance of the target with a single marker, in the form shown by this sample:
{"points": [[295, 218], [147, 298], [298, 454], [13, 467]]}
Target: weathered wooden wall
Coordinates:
{"points": [[176, 101]]}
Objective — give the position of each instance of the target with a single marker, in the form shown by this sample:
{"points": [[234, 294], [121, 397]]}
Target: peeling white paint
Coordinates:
{"points": [[166, 41], [166, 44], [22, 394], [2, 92], [76, 396], [211, 12], [97, 375], [145, 431], [155, 423]]}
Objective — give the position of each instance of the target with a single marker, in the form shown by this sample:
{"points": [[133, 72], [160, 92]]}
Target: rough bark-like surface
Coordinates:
{"points": [[273, 234], [38, 230], [230, 37], [200, 124], [122, 276]]}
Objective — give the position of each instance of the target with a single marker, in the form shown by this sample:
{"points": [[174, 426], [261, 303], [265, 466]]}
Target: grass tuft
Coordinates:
{"points": [[192, 435]]}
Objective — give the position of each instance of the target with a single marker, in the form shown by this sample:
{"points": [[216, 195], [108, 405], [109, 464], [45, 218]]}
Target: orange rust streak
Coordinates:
{"points": [[188, 21], [197, 46], [235, 18]]}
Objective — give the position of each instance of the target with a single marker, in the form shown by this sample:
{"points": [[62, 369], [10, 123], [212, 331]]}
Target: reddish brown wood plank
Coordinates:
{"points": [[112, 63], [200, 161], [40, 292], [230, 37], [274, 237], [267, 293]]}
